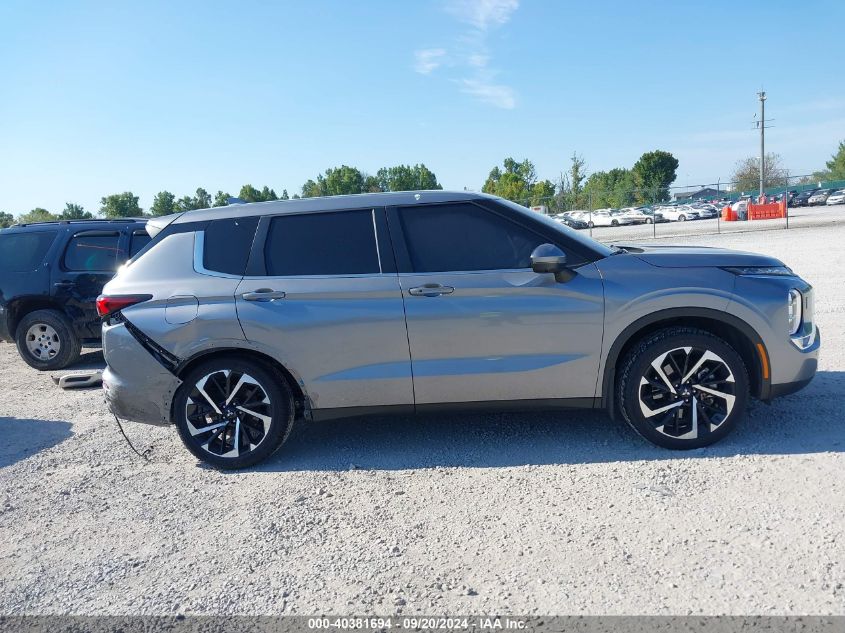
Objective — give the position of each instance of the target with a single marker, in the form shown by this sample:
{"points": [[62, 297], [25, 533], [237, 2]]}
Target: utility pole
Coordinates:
{"points": [[762, 96]]}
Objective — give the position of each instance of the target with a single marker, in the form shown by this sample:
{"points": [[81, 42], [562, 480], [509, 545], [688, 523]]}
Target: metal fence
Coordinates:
{"points": [[593, 207]]}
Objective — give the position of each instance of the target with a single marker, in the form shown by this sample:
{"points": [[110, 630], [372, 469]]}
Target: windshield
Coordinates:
{"points": [[571, 234]]}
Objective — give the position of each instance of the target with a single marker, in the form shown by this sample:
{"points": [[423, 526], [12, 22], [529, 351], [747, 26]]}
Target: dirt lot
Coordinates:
{"points": [[569, 514]]}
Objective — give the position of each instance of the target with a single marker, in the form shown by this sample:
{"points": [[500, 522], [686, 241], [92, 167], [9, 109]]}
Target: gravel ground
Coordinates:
{"points": [[513, 514]]}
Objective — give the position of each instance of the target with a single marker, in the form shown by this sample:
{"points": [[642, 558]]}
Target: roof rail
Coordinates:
{"points": [[112, 220]]}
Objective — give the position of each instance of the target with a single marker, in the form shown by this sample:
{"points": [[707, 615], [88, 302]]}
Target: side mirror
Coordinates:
{"points": [[548, 258]]}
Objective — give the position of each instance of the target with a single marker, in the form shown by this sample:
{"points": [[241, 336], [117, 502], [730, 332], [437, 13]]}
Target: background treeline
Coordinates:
{"points": [[647, 181]]}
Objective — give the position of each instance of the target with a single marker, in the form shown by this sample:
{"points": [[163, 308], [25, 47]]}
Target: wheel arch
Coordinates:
{"points": [[19, 308], [300, 398], [736, 332]]}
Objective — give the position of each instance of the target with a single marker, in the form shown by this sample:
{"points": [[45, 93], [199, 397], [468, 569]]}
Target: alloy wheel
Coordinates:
{"points": [[687, 393], [43, 342], [228, 413]]}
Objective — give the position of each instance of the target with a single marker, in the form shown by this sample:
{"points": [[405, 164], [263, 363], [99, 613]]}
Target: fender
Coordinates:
{"points": [[671, 314]]}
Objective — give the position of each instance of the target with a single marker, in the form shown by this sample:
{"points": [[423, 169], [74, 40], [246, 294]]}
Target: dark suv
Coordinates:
{"points": [[50, 276]]}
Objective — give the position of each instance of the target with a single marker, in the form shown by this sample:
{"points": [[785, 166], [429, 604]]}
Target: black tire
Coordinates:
{"points": [[215, 447], [685, 415], [46, 340], [682, 218], [648, 220], [614, 223]]}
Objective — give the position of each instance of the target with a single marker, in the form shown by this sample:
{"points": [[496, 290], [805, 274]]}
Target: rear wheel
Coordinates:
{"points": [[683, 388], [614, 223], [682, 218], [45, 340], [233, 413]]}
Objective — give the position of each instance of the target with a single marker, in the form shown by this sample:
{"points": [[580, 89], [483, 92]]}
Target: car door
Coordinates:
{"points": [[89, 261], [322, 296], [482, 326]]}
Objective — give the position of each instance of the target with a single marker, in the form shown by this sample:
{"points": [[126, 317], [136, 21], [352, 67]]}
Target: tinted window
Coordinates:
{"points": [[465, 237], [341, 243], [227, 245], [139, 240], [92, 250], [24, 252]]}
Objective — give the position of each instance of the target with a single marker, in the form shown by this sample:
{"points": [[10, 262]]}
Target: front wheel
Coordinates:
{"points": [[683, 388], [233, 413], [648, 220], [682, 218]]}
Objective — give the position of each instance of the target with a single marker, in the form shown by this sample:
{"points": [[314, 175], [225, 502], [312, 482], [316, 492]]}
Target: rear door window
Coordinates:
{"points": [[338, 243], [24, 252], [91, 251]]}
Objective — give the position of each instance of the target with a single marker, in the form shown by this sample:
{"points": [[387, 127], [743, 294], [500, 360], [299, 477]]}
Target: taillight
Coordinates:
{"points": [[109, 305]]}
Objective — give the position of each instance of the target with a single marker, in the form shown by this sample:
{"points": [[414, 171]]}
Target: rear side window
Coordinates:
{"points": [[139, 240], [24, 252], [227, 245], [459, 237], [341, 243], [92, 251]]}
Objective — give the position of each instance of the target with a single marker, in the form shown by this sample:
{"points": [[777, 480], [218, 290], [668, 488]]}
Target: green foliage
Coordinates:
{"points": [[6, 220], [518, 183], [652, 175], [571, 189], [75, 212], [836, 164], [337, 181], [221, 199], [120, 205], [284, 195], [609, 189], [406, 178], [249, 193], [37, 215], [746, 175], [202, 199], [164, 203]]}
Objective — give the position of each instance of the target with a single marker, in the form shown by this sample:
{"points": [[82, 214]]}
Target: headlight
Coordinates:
{"points": [[794, 310], [777, 271]]}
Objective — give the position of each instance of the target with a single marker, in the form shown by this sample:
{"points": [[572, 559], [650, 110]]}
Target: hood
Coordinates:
{"points": [[696, 256]]}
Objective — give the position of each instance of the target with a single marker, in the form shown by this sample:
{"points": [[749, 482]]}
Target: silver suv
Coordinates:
{"points": [[234, 322]]}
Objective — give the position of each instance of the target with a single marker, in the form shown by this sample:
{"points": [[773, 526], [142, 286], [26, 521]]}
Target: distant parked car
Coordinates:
{"points": [[802, 199], [610, 217], [639, 215], [680, 214], [819, 197], [569, 221], [706, 211], [837, 197], [50, 276]]}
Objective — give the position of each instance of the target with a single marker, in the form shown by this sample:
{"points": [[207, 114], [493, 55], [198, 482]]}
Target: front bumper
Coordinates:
{"points": [[135, 385]]}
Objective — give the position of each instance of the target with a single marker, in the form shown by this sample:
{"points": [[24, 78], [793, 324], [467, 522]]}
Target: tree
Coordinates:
{"points": [[746, 175], [75, 212], [652, 175], [185, 203], [406, 178], [284, 195], [37, 215], [336, 181], [518, 183], [202, 199], [571, 186], [613, 189], [120, 205], [6, 220], [221, 199], [835, 166], [163, 204], [249, 193]]}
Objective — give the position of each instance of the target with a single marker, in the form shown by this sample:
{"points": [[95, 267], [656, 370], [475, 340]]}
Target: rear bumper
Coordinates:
{"points": [[136, 386]]}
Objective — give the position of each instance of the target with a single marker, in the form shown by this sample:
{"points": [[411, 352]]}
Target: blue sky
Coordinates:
{"points": [[103, 97]]}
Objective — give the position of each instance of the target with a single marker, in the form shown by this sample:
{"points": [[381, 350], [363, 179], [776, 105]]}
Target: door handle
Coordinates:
{"points": [[263, 294], [65, 284], [431, 290]]}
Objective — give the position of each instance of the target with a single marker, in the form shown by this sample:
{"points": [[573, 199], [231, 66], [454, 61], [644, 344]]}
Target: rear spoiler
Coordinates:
{"points": [[156, 225]]}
